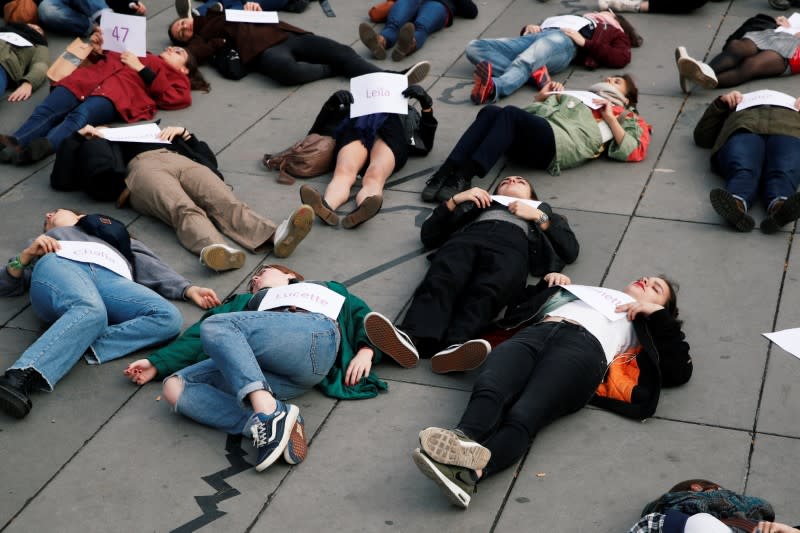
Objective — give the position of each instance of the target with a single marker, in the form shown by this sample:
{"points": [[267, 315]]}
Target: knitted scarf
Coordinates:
{"points": [[610, 93], [721, 503]]}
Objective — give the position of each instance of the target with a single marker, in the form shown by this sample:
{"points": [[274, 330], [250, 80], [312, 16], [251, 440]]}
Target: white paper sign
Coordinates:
{"points": [[15, 39], [143, 133], [96, 253], [788, 339], [601, 299], [794, 25], [766, 97], [505, 200], [570, 22], [254, 17], [587, 97], [124, 33], [380, 92], [309, 296]]}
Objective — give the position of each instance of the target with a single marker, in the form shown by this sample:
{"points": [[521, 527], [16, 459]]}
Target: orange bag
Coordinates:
{"points": [[379, 12], [21, 11]]}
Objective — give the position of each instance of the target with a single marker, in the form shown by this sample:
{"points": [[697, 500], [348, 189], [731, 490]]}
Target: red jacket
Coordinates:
{"points": [[608, 47], [133, 98]]}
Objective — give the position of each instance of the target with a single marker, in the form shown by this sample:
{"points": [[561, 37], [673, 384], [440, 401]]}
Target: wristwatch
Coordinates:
{"points": [[544, 219]]}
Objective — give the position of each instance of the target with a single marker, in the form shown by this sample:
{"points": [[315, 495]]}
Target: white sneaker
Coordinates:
{"points": [[390, 340], [221, 257], [619, 5], [418, 72], [461, 357], [293, 230], [696, 71]]}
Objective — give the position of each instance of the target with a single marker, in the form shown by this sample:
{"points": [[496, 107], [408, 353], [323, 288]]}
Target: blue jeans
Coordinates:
{"points": [[514, 59], [3, 80], [72, 17], [281, 352], [61, 114], [750, 162], [91, 307], [429, 16], [266, 5]]}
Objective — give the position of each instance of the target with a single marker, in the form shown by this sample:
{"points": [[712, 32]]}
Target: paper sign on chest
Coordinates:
{"points": [[95, 253], [253, 17], [309, 296], [380, 92], [124, 33], [601, 299], [15, 39], [144, 133], [570, 22], [766, 97], [505, 200]]}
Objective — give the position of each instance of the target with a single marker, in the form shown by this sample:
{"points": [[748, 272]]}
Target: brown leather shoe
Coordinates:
{"points": [[368, 209], [123, 197], [372, 40], [406, 43]]}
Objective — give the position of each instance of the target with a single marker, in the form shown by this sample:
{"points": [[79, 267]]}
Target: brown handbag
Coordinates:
{"points": [[21, 11], [307, 158], [380, 12]]}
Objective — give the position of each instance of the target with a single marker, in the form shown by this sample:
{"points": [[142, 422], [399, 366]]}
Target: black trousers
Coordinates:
{"points": [[305, 58], [471, 278], [675, 6], [545, 371], [526, 138]]}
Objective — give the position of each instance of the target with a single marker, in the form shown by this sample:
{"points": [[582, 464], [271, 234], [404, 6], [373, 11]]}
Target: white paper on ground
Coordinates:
{"points": [[788, 339]]}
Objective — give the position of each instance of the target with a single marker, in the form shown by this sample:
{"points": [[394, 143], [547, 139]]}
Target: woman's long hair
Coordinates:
{"points": [[196, 79]]}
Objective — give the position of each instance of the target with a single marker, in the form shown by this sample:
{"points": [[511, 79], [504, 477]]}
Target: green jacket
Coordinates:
{"points": [[28, 63], [577, 136], [188, 349], [719, 122]]}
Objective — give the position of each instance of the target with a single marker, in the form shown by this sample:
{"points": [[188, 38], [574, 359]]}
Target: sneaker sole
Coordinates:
{"points": [[444, 446], [384, 335], [297, 447], [481, 86], [299, 227], [291, 418], [418, 72], [12, 403], [691, 70], [453, 492], [368, 209], [726, 207], [468, 356], [788, 213], [405, 42], [221, 259], [369, 37], [312, 198], [682, 81]]}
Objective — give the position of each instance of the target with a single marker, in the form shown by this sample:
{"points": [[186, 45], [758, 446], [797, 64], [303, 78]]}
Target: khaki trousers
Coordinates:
{"points": [[192, 199]]}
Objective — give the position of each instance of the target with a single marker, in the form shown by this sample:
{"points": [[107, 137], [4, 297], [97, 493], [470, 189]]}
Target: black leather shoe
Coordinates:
{"points": [[433, 185], [15, 385], [453, 186]]}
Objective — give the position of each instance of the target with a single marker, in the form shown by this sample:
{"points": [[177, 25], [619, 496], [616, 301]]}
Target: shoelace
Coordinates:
{"points": [[260, 437]]}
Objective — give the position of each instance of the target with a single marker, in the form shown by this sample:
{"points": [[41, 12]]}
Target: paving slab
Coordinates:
{"points": [[771, 475]]}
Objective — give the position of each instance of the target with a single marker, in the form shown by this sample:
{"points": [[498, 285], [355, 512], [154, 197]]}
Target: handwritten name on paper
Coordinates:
{"points": [[601, 299], [95, 253], [380, 92], [309, 296], [124, 33]]}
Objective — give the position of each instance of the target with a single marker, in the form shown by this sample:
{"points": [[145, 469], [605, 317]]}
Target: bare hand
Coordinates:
{"points": [[524, 211], [141, 371], [202, 297], [90, 131], [252, 6], [606, 109], [556, 278], [41, 245], [170, 132], [576, 37], [23, 92], [797, 103], [129, 59], [359, 366], [782, 21], [140, 9], [531, 28], [97, 40], [635, 308], [775, 527], [547, 90], [732, 99], [478, 196]]}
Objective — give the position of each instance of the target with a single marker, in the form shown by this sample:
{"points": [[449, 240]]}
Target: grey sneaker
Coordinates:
{"points": [[221, 257], [700, 73], [452, 447], [417, 72], [390, 340], [293, 230], [456, 482]]}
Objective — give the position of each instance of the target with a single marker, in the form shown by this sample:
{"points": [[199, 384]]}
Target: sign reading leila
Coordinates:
{"points": [[379, 92], [309, 296], [95, 253], [603, 300]]}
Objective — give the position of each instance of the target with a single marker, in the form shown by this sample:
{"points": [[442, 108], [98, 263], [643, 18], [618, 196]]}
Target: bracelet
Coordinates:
{"points": [[17, 264]]}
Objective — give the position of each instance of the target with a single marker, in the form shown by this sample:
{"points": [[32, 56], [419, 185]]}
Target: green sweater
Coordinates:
{"points": [[188, 349], [27, 63]]}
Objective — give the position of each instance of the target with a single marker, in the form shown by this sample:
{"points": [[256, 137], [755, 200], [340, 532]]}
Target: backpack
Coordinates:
{"points": [[307, 158]]}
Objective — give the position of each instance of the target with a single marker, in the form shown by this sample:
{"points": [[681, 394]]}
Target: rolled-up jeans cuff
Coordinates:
{"points": [[251, 387]]}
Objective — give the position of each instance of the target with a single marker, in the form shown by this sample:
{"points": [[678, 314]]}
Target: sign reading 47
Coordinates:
{"points": [[124, 33], [120, 33]]}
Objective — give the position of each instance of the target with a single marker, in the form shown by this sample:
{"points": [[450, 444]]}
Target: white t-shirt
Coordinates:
{"points": [[615, 337]]}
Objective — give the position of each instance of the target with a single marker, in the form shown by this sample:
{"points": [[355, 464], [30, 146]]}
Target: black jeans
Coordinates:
{"points": [[545, 371], [471, 278], [305, 58], [675, 6], [524, 137]]}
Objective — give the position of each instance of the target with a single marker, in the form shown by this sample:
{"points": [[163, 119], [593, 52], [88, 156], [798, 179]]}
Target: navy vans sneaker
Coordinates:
{"points": [[297, 448], [271, 433]]}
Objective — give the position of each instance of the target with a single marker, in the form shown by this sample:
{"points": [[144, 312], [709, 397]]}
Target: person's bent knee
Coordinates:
{"points": [[172, 389]]}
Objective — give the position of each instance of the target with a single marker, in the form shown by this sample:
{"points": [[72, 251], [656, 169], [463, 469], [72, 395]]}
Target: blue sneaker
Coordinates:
{"points": [[271, 433], [297, 449]]}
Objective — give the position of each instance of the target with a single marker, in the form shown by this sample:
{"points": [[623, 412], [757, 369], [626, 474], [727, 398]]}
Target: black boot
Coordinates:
{"points": [[452, 186], [15, 386]]}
